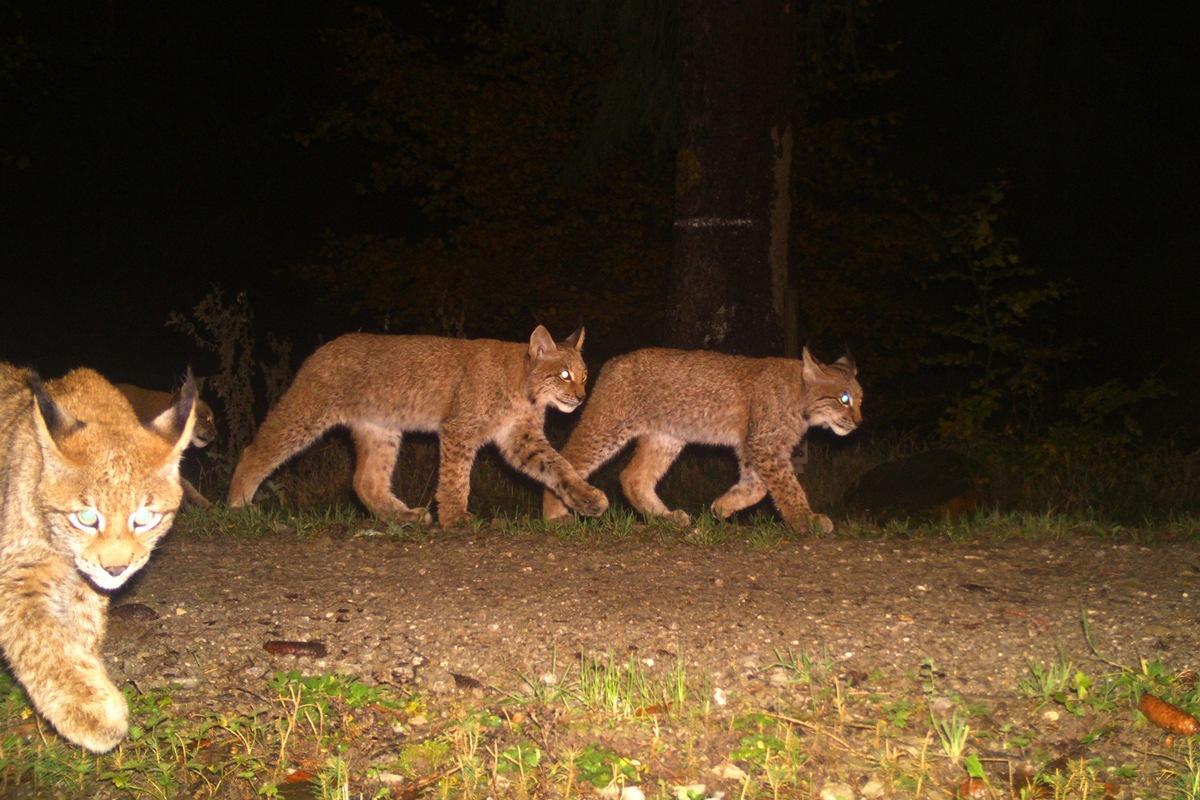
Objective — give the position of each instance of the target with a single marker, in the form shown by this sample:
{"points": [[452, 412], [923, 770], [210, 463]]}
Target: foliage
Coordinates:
{"points": [[227, 331], [1009, 360], [18, 59], [1018, 406]]}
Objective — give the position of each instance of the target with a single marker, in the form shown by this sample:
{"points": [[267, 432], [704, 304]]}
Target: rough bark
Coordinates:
{"points": [[733, 178]]}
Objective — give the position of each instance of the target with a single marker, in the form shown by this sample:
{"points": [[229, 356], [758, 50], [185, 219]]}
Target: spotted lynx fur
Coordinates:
{"points": [[149, 403], [761, 407], [86, 491], [470, 392]]}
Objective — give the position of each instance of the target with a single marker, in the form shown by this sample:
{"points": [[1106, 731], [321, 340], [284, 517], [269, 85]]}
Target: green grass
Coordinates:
{"points": [[597, 721]]}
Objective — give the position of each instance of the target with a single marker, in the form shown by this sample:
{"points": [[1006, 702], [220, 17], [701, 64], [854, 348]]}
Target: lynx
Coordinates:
{"points": [[761, 407], [85, 493], [149, 403], [469, 392]]}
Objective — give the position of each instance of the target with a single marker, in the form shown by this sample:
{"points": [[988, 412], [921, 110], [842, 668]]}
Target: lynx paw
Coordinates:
{"points": [[98, 725], [421, 516], [455, 519], [553, 509], [676, 517], [818, 524], [588, 501]]}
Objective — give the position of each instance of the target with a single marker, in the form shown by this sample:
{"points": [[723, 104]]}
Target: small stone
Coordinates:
{"points": [[871, 789], [837, 791]]}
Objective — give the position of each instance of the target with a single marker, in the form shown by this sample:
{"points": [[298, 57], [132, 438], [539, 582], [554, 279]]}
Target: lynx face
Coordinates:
{"points": [[837, 397], [110, 535], [559, 376], [206, 425], [110, 488]]}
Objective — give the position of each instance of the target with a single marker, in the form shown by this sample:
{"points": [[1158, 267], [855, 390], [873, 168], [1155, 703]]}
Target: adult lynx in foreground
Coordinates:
{"points": [[468, 391], [85, 490], [761, 407]]}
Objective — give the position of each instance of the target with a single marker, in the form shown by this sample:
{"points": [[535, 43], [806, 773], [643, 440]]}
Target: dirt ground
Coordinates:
{"points": [[492, 607]]}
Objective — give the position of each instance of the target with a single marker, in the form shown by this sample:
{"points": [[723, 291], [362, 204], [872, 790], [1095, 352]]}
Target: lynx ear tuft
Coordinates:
{"points": [[54, 419], [575, 340], [175, 423], [541, 343]]}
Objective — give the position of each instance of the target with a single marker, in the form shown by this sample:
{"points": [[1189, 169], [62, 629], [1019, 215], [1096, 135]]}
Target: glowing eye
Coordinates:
{"points": [[86, 519], [845, 398], [144, 519], [565, 375]]}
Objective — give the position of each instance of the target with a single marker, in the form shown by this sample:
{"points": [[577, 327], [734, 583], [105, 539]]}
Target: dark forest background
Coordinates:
{"points": [[993, 205]]}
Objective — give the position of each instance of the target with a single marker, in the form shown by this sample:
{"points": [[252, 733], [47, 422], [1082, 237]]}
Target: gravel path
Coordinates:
{"points": [[493, 607]]}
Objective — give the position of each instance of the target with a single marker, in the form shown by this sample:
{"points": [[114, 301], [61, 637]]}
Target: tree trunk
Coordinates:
{"points": [[733, 176]]}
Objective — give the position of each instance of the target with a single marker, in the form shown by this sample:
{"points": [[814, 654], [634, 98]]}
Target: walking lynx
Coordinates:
{"points": [[470, 392], [761, 407], [85, 493]]}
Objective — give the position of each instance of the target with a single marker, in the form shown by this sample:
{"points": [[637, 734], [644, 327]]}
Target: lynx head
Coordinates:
{"points": [[109, 486], [834, 396], [557, 374], [205, 429], [206, 424]]}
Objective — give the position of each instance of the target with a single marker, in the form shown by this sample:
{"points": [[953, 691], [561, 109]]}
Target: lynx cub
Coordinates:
{"points": [[149, 403], [468, 391], [761, 407], [85, 493]]}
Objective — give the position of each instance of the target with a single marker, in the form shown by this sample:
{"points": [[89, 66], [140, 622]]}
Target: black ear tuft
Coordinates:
{"points": [[575, 340], [58, 422], [184, 401]]}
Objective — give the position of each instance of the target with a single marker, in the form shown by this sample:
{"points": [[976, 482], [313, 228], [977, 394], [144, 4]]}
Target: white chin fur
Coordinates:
{"points": [[103, 579]]}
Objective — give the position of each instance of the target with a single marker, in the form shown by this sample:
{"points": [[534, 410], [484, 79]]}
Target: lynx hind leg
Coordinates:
{"points": [[288, 428], [653, 457], [376, 450], [749, 489]]}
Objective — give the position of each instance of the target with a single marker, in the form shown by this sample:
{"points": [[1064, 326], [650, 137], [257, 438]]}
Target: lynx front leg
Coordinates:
{"points": [[376, 449], [749, 489], [58, 662], [653, 457], [80, 701], [528, 450], [589, 447], [787, 493]]}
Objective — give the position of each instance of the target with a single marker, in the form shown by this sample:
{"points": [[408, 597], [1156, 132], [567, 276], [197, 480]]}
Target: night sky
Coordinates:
{"points": [[149, 156]]}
